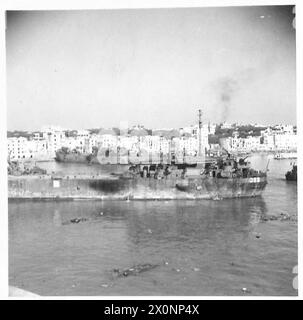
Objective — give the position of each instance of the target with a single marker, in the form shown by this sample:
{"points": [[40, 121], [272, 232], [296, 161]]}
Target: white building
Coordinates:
{"points": [[108, 141], [17, 148], [285, 141], [90, 143], [54, 137], [235, 143], [83, 134], [212, 128], [282, 137], [269, 141], [189, 145], [284, 128], [252, 143], [23, 149], [82, 142], [74, 143], [129, 142], [165, 145], [150, 143]]}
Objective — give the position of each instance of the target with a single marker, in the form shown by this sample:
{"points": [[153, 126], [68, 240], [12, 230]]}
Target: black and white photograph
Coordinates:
{"points": [[152, 151]]}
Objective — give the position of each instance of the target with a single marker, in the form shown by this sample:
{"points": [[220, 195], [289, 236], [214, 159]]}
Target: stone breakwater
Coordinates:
{"points": [[117, 187]]}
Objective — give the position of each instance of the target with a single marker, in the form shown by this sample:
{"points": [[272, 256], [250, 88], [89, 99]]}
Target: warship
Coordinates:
{"points": [[145, 178], [224, 178]]}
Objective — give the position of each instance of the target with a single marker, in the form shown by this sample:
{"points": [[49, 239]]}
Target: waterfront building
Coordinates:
{"points": [[17, 148], [268, 141], [107, 138], [186, 145], [54, 136], [90, 143], [149, 143], [212, 128], [83, 134], [165, 145], [138, 140], [238, 144], [286, 141], [252, 143], [128, 142], [74, 143], [284, 128], [81, 141], [23, 149], [280, 137], [192, 145]]}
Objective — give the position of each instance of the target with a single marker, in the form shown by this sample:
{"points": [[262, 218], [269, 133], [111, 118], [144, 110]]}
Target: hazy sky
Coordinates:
{"points": [[90, 69]]}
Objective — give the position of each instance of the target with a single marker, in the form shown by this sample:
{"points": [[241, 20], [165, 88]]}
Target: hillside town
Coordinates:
{"points": [[235, 138]]}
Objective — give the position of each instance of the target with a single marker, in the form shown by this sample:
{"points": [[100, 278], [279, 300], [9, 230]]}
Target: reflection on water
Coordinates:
{"points": [[200, 247]]}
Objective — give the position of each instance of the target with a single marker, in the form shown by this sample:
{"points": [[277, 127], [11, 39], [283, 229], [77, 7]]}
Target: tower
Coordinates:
{"points": [[200, 133], [201, 149]]}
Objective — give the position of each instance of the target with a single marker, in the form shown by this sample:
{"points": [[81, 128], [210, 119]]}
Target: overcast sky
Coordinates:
{"points": [[156, 67]]}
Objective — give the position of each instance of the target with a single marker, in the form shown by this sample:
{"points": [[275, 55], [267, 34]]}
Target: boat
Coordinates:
{"points": [[74, 156], [292, 174], [143, 177], [285, 155], [224, 178]]}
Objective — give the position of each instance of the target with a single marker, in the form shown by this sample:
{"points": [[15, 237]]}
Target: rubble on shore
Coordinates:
{"points": [[16, 168]]}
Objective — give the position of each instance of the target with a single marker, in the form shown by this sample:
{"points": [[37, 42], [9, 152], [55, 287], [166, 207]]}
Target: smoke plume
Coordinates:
{"points": [[226, 88]]}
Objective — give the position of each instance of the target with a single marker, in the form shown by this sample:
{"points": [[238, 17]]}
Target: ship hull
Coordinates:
{"points": [[72, 157], [113, 188], [291, 176]]}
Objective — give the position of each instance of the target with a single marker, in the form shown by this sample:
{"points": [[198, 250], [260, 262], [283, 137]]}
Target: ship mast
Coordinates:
{"points": [[200, 129]]}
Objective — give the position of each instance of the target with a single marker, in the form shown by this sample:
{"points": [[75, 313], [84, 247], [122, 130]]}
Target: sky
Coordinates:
{"points": [[154, 67]]}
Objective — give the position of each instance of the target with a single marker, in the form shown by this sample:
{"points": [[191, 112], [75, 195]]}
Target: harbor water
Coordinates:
{"points": [[195, 247]]}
